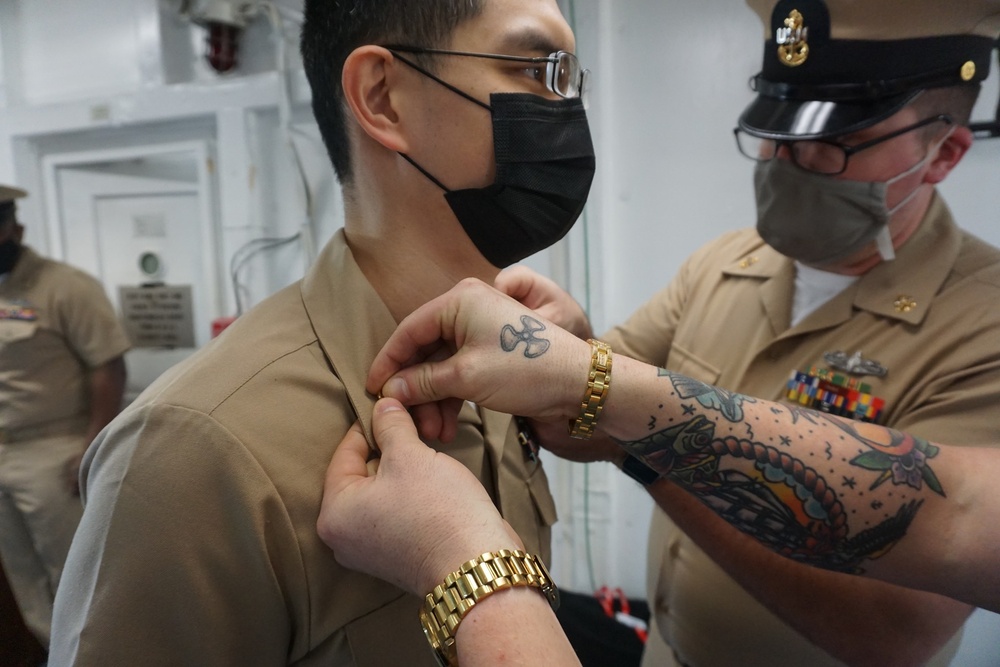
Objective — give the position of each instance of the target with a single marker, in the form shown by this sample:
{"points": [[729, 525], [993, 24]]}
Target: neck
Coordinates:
{"points": [[410, 255]]}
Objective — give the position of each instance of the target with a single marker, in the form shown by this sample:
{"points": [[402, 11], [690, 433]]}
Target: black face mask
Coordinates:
{"points": [[10, 250], [545, 164]]}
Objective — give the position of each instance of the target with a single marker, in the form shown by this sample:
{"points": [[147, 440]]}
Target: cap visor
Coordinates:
{"points": [[773, 118], [8, 194]]}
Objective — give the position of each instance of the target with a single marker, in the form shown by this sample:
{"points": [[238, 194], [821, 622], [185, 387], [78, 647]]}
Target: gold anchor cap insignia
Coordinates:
{"points": [[793, 49]]}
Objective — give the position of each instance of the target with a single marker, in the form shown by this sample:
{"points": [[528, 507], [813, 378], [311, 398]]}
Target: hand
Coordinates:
{"points": [[546, 298], [412, 518], [478, 344]]}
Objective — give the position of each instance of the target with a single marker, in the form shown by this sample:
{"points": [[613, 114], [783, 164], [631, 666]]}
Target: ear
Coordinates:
{"points": [[949, 154], [370, 81]]}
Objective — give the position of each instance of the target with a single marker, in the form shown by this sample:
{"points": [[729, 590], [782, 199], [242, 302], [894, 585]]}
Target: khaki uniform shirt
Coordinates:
{"points": [[56, 324], [198, 544], [930, 317]]}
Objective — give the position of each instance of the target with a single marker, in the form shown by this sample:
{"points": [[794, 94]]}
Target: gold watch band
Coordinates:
{"points": [[598, 385], [449, 602]]}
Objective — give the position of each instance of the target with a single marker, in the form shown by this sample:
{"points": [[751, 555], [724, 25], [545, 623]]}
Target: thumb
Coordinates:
{"points": [[416, 385], [393, 428]]}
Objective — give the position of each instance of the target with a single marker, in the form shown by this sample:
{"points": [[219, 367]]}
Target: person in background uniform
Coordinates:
{"points": [[62, 377], [856, 294], [198, 543]]}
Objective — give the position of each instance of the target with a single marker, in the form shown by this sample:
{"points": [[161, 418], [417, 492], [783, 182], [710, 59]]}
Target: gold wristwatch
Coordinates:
{"points": [[449, 602], [598, 385]]}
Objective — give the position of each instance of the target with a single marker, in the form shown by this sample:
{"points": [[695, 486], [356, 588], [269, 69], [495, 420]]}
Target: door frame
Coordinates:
{"points": [[201, 154]]}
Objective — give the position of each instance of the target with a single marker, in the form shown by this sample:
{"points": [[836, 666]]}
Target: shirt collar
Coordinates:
{"points": [[901, 289], [904, 288], [350, 321]]}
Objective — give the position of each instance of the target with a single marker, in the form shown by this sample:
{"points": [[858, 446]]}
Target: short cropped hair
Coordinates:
{"points": [[956, 101], [334, 28]]}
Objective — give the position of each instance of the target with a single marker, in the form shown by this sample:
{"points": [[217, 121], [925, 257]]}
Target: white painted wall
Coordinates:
{"points": [[670, 81]]}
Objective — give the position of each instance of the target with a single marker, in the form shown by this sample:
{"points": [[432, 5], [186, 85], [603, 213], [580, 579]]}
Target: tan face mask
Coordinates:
{"points": [[817, 219]]}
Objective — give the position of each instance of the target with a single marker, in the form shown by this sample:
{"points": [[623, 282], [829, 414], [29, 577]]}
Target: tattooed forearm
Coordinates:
{"points": [[534, 345], [730, 404], [807, 484]]}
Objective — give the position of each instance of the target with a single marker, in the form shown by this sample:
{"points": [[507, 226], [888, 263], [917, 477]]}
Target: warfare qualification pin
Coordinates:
{"points": [[792, 47], [855, 364]]}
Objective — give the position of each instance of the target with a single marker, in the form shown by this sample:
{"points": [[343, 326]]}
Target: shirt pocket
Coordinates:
{"points": [[688, 363], [14, 331]]}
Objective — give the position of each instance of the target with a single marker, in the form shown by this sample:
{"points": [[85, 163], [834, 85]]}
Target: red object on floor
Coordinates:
{"points": [[608, 597]]}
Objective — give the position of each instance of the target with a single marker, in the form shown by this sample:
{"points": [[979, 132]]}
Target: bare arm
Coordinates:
{"points": [[370, 520], [818, 489], [823, 483], [106, 387]]}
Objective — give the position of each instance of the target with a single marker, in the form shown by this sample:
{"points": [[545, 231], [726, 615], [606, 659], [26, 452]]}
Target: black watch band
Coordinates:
{"points": [[639, 471]]}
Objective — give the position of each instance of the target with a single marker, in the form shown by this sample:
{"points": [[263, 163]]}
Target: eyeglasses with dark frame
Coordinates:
{"points": [[563, 74], [820, 156]]}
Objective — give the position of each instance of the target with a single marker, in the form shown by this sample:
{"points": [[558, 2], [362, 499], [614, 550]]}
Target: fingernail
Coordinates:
{"points": [[396, 388]]}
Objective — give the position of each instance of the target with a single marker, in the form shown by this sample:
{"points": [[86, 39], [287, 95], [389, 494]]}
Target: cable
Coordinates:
{"points": [[245, 253], [571, 11], [273, 13]]}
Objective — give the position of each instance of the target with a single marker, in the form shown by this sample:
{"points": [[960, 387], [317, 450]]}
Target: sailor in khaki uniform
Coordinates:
{"points": [[856, 280], [61, 381], [198, 544]]}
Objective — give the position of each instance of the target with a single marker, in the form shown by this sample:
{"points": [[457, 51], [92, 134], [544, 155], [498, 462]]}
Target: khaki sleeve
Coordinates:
{"points": [[961, 407], [648, 333], [185, 555], [88, 321]]}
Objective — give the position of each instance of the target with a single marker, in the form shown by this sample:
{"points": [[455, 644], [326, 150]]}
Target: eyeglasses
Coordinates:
{"points": [[562, 76], [820, 156]]}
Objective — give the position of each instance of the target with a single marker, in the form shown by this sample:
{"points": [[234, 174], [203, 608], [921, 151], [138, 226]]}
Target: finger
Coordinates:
{"points": [[516, 282], [423, 329], [394, 429], [426, 382], [429, 420], [348, 463], [450, 407]]}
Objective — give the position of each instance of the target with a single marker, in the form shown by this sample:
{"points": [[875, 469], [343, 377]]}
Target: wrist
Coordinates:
{"points": [[597, 390], [446, 606], [450, 556]]}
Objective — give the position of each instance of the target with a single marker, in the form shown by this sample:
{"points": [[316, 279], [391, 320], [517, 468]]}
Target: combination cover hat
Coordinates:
{"points": [[835, 67], [9, 194]]}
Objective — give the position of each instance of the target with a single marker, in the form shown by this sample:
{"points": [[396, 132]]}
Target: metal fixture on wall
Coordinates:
{"points": [[224, 21]]}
